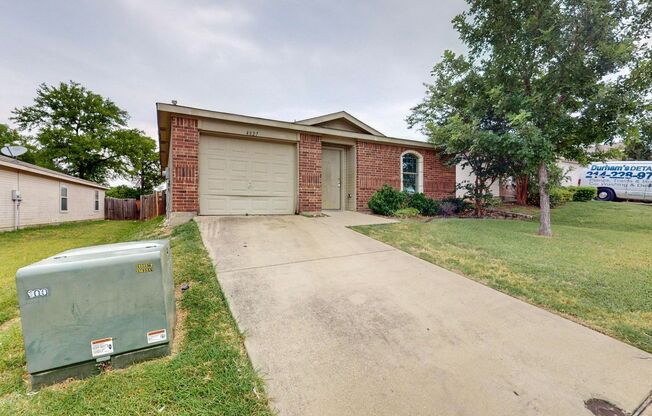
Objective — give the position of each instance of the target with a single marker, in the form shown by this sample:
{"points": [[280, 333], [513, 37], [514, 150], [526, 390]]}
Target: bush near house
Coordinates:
{"points": [[426, 206], [406, 213], [460, 205], [559, 196], [584, 193], [388, 200]]}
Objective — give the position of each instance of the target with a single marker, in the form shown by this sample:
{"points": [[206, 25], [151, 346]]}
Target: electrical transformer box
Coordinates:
{"points": [[110, 303]]}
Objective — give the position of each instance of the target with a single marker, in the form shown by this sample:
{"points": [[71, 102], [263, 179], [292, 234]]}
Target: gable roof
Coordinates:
{"points": [[325, 120], [28, 167]]}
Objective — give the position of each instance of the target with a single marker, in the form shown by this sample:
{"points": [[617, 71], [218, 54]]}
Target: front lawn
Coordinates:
{"points": [[210, 373], [597, 269]]}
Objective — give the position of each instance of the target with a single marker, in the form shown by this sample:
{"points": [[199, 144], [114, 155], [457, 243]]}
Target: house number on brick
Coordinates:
{"points": [[252, 133]]}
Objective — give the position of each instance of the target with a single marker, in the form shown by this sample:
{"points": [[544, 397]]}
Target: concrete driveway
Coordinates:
{"points": [[340, 324]]}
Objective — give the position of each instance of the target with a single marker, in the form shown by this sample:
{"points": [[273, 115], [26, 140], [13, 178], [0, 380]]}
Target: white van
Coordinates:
{"points": [[620, 180]]}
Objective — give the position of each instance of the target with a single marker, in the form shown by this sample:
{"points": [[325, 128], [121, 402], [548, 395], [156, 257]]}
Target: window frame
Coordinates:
{"points": [[62, 197], [96, 202], [418, 174]]}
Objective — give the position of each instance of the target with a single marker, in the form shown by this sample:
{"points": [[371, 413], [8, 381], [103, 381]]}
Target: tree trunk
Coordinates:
{"points": [[478, 199], [521, 190], [544, 202]]}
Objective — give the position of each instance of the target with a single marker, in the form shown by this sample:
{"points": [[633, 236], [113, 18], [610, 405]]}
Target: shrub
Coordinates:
{"points": [[533, 198], [406, 212], [447, 208], [430, 208], [495, 202], [459, 205], [426, 206], [386, 200], [559, 196], [584, 193]]}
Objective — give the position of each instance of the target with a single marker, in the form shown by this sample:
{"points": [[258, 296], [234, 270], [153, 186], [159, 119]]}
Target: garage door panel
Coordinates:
{"points": [[239, 176]]}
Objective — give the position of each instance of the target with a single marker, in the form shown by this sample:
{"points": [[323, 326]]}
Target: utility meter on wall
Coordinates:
{"points": [[15, 195]]}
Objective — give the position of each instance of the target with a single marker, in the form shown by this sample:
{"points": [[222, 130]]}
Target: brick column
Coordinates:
{"points": [[309, 173], [184, 145]]}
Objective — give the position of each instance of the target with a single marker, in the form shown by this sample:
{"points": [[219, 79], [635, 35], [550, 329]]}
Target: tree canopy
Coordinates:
{"points": [[83, 134], [547, 76]]}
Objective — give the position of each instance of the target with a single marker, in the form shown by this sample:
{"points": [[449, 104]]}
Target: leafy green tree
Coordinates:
{"points": [[79, 131], [123, 192], [143, 166], [638, 143], [460, 119], [557, 72]]}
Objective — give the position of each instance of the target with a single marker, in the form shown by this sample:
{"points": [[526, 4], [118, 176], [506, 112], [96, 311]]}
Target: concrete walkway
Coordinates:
{"points": [[340, 324]]}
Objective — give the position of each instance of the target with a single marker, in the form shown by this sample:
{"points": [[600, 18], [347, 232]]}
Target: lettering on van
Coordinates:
{"points": [[144, 267], [619, 172], [37, 293]]}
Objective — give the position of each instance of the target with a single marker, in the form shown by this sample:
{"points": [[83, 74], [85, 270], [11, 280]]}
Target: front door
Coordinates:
{"points": [[331, 180]]}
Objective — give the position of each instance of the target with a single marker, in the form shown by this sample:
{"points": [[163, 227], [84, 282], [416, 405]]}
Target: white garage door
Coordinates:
{"points": [[238, 176]]}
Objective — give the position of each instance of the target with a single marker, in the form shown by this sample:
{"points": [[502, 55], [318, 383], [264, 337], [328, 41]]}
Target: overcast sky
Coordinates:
{"points": [[285, 60]]}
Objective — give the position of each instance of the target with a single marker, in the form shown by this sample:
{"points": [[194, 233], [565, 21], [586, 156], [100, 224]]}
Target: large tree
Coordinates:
{"points": [[78, 131], [460, 119], [143, 168], [557, 71]]}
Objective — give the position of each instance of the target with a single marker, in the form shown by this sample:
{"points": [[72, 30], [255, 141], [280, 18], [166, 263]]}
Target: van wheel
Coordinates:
{"points": [[606, 194]]}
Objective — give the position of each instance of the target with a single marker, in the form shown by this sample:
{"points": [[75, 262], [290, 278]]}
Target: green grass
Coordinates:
{"points": [[211, 374], [597, 269]]}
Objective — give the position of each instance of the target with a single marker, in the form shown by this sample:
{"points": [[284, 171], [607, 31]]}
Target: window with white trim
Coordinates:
{"points": [[97, 200], [411, 173], [63, 198]]}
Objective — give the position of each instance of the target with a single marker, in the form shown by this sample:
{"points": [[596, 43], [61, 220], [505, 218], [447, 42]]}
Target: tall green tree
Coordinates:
{"points": [[143, 168], [557, 71], [79, 131], [460, 119]]}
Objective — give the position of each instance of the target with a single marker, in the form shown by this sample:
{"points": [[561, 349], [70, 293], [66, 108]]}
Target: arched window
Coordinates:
{"points": [[411, 172]]}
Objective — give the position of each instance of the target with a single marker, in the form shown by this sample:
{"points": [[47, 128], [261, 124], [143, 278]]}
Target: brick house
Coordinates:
{"points": [[226, 164]]}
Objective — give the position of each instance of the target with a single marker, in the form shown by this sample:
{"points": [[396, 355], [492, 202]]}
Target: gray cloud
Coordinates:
{"points": [[279, 59]]}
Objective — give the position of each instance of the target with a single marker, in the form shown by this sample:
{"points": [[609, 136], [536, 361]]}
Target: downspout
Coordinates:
{"points": [[16, 198]]}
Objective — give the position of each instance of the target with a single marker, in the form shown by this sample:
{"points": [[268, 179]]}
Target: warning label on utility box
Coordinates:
{"points": [[156, 336], [102, 346]]}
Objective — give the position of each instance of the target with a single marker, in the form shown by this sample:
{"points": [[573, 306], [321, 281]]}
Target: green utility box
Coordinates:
{"points": [[86, 306]]}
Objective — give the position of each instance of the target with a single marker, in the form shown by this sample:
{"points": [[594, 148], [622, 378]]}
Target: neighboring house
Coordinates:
{"points": [[46, 196], [226, 164], [464, 176]]}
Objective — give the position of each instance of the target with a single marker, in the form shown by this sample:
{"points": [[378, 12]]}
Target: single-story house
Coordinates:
{"points": [[32, 195], [228, 164]]}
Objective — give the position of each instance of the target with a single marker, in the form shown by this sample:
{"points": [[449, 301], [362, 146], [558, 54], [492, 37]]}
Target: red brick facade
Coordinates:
{"points": [[309, 173], [378, 164], [184, 144]]}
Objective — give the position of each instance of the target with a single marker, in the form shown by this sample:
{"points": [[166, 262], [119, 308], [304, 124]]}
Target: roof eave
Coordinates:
{"points": [[322, 131], [56, 175]]}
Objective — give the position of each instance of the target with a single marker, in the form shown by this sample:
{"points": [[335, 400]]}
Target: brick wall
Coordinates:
{"points": [[309, 173], [184, 144], [379, 164]]}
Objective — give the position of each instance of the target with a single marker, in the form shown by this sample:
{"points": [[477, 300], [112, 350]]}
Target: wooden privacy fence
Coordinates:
{"points": [[145, 208], [151, 206], [121, 209]]}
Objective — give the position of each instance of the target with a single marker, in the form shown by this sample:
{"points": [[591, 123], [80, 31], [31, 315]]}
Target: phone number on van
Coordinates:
{"points": [[618, 174]]}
